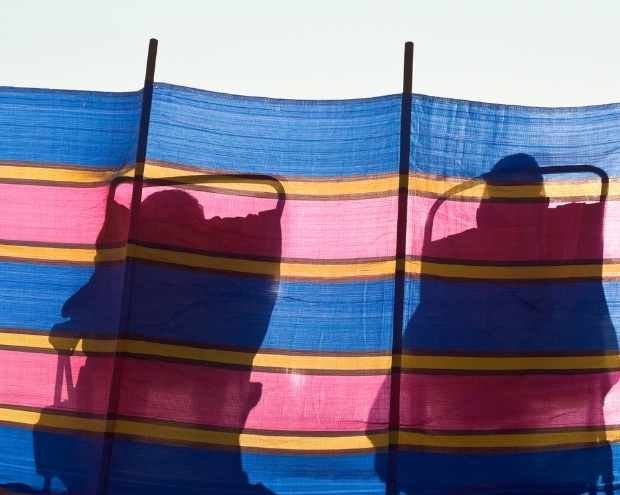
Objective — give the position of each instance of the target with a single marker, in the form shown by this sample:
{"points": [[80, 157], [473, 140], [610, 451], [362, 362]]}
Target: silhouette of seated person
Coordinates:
{"points": [[509, 317], [179, 305]]}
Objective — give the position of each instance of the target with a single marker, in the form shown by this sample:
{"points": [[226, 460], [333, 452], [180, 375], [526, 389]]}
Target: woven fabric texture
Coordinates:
{"points": [[239, 337]]}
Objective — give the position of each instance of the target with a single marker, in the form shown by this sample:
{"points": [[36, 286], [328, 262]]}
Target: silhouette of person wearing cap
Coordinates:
{"points": [[177, 305], [457, 316]]}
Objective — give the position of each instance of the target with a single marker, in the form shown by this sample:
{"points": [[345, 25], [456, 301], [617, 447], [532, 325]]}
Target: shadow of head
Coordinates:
{"points": [[513, 171], [517, 169]]}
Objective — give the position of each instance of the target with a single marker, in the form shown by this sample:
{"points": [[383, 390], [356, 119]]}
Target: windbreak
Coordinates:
{"points": [[240, 337]]}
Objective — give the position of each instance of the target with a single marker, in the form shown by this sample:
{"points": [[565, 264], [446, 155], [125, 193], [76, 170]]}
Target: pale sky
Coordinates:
{"points": [[531, 52]]}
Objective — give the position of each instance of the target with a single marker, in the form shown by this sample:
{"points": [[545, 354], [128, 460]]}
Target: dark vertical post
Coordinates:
{"points": [[399, 276], [145, 116], [134, 214]]}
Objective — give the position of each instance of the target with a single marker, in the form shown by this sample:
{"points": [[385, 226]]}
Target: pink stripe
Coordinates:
{"points": [[487, 402], [247, 225], [287, 401], [237, 399], [515, 231], [227, 224], [312, 229], [198, 394], [57, 214], [30, 379]]}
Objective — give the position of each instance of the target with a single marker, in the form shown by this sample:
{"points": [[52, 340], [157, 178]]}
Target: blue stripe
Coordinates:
{"points": [[72, 461], [566, 472], [140, 467], [299, 138], [277, 137], [252, 312], [440, 315], [69, 127], [143, 468], [32, 296], [199, 307], [465, 139], [579, 317]]}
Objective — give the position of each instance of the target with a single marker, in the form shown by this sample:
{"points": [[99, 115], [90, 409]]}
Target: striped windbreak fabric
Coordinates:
{"points": [[239, 338]]}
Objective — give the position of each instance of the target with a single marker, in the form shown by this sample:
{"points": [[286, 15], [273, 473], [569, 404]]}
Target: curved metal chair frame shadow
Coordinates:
{"points": [[468, 184], [204, 179]]}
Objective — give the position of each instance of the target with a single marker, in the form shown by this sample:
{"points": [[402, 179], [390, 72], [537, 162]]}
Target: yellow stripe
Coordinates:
{"points": [[381, 185], [480, 190], [539, 272], [249, 440], [281, 269], [389, 184], [507, 440], [200, 436], [291, 269], [59, 174], [264, 360], [352, 362], [44, 419], [270, 268], [187, 434], [274, 269], [60, 254], [346, 187], [476, 363]]}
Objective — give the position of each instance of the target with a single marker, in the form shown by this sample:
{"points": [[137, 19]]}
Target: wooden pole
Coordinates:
{"points": [[134, 214], [399, 276]]}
